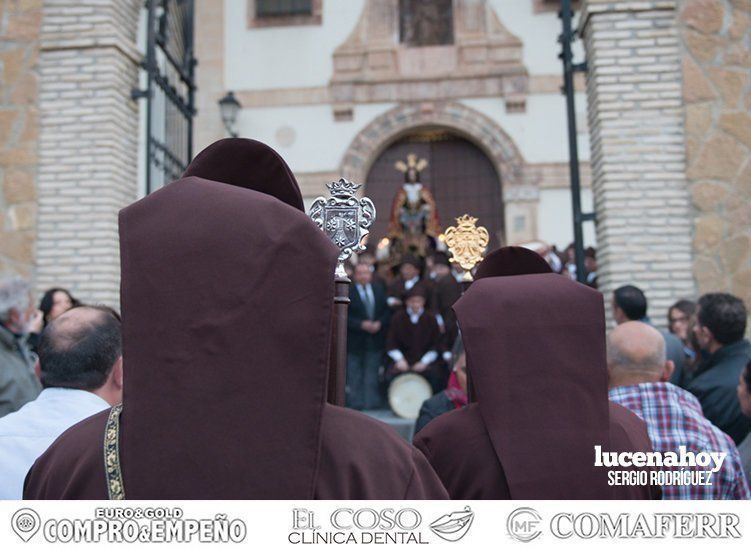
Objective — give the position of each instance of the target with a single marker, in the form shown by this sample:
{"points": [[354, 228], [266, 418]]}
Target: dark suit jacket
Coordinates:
{"points": [[715, 385], [358, 340]]}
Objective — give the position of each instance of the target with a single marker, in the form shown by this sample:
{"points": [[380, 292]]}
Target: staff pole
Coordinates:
{"points": [[345, 219]]}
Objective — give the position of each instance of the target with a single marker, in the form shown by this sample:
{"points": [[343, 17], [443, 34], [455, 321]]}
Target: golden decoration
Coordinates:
{"points": [[115, 488], [467, 243], [412, 163]]}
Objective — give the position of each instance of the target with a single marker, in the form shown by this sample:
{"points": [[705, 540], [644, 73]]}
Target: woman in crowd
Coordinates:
{"points": [[55, 302], [680, 317]]}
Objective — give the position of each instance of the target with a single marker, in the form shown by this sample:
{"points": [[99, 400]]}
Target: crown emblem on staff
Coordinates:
{"points": [[411, 163], [342, 188]]}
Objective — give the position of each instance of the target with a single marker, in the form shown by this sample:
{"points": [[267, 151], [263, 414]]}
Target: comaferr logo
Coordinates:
{"points": [[524, 524], [656, 526]]}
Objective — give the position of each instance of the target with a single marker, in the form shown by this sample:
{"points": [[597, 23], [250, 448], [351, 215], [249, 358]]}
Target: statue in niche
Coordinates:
{"points": [[426, 22]]}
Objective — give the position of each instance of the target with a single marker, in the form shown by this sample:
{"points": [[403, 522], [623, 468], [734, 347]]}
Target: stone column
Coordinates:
{"points": [[638, 159], [19, 48], [88, 66], [716, 75]]}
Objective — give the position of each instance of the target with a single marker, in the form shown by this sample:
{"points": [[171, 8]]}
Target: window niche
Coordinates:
{"points": [[426, 22], [283, 13]]}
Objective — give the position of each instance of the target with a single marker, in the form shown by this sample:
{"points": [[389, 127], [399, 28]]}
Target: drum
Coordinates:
{"points": [[406, 394]]}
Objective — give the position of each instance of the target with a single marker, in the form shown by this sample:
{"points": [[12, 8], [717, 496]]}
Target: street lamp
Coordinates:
{"points": [[229, 107]]}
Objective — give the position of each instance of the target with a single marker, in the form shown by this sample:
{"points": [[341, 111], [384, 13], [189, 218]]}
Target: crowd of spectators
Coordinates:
{"points": [[691, 383]]}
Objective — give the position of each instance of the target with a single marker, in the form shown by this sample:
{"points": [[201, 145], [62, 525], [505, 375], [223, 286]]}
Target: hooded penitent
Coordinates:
{"points": [[227, 294], [535, 347], [220, 321]]}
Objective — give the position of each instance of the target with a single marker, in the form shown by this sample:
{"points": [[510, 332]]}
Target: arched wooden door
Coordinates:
{"points": [[461, 177]]}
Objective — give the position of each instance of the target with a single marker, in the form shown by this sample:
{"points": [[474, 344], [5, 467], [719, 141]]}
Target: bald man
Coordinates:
{"points": [[639, 374], [80, 367]]}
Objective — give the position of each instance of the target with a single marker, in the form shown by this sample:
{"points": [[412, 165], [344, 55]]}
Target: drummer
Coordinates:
{"points": [[414, 342]]}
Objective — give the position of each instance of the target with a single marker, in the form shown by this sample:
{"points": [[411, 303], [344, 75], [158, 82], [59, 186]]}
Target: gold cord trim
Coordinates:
{"points": [[115, 487]]}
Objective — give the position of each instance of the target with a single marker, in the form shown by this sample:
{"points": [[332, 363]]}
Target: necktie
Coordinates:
{"points": [[368, 302]]}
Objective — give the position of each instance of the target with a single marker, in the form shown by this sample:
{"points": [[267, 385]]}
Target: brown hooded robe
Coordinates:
{"points": [[226, 297], [535, 347]]}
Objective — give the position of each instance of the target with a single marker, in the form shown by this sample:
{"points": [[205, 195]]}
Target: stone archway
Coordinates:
{"points": [[458, 118]]}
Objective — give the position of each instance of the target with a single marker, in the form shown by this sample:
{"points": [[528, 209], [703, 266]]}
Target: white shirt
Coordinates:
{"points": [[409, 284], [28, 432]]}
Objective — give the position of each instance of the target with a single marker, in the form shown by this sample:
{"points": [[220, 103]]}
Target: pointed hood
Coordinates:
{"points": [[535, 348], [226, 298]]}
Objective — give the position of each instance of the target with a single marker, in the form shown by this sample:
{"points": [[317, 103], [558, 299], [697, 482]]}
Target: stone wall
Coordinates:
{"points": [[716, 37], [88, 148], [644, 217], [19, 47]]}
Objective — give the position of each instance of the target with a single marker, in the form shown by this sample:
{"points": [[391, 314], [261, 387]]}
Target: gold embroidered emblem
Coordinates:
{"points": [[115, 488], [467, 243]]}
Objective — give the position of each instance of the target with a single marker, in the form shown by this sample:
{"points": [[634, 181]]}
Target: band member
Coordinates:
{"points": [[409, 277], [535, 347], [227, 299], [414, 342]]}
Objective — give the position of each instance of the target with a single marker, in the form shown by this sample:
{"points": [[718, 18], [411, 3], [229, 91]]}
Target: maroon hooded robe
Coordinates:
{"points": [[226, 297], [535, 347]]}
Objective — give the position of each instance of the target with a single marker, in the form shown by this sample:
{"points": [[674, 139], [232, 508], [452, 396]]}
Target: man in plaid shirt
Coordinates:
{"points": [[638, 381]]}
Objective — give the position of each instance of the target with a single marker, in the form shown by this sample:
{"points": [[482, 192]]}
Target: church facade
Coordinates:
{"points": [[351, 87], [472, 87]]}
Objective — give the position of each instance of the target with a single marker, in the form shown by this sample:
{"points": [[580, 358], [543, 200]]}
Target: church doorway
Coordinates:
{"points": [[461, 177]]}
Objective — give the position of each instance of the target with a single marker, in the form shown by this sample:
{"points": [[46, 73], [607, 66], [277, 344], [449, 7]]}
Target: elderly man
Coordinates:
{"points": [[18, 384], [81, 369], [367, 325], [639, 373]]}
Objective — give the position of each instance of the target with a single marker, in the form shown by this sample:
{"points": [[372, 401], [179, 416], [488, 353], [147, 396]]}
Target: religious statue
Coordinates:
{"points": [[413, 227]]}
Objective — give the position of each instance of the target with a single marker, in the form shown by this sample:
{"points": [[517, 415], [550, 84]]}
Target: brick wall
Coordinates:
{"points": [[716, 35], [88, 143], [19, 48], [638, 149]]}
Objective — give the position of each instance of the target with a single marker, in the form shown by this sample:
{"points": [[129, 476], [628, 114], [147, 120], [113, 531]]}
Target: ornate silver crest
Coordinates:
{"points": [[344, 218]]}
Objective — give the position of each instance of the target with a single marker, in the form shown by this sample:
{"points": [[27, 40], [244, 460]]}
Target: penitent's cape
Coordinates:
{"points": [[535, 344], [226, 294]]}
